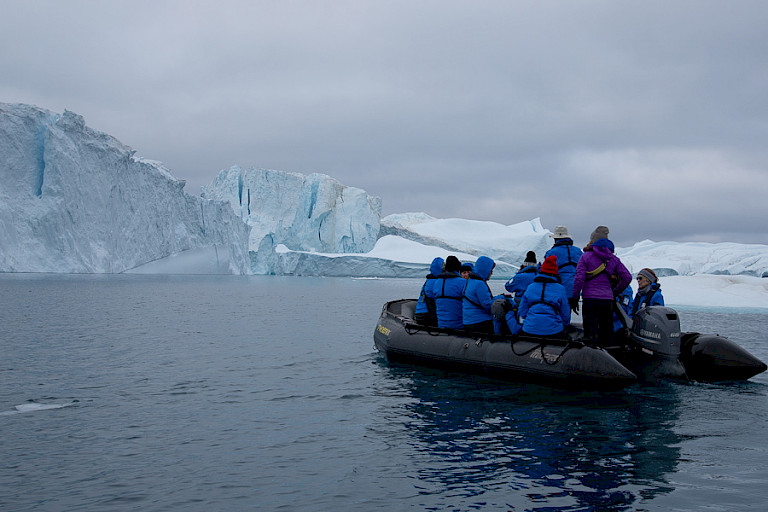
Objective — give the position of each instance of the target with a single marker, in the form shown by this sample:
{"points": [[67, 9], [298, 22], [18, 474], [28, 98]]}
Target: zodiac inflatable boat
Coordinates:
{"points": [[655, 349], [569, 364]]}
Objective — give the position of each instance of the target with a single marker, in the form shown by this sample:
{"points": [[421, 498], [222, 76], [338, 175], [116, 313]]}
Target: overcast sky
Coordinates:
{"points": [[650, 117]]}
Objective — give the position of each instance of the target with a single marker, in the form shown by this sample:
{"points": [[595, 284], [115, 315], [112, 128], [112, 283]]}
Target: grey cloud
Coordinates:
{"points": [[494, 110]]}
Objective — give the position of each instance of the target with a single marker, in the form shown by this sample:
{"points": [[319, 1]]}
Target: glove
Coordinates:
{"points": [[574, 303]]}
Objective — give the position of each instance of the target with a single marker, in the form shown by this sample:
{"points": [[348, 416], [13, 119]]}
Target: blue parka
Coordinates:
{"points": [[544, 307], [625, 302], [567, 258], [510, 319], [652, 297], [448, 289], [520, 281], [426, 295], [477, 296]]}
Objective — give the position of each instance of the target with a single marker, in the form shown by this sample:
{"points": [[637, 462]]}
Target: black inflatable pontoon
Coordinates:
{"points": [[654, 349], [568, 365]]}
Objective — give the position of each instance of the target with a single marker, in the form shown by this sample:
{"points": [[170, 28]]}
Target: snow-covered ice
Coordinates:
{"points": [[77, 200], [692, 258]]}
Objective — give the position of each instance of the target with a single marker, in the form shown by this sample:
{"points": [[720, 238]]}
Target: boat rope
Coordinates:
{"points": [[568, 346], [411, 328], [527, 351]]}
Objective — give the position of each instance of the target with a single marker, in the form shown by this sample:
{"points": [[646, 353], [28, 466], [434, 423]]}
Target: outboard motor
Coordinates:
{"points": [[654, 344], [657, 329]]}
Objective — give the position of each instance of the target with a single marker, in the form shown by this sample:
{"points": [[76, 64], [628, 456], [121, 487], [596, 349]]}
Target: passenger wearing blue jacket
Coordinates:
{"points": [[523, 278], [505, 315], [544, 308], [425, 308], [567, 257], [649, 291], [448, 289], [477, 298], [625, 302]]}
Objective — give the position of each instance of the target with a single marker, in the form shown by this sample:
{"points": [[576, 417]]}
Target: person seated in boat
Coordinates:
{"points": [[624, 302], [600, 277], [544, 307], [466, 269], [448, 289], [477, 298], [505, 320], [648, 292], [520, 281], [426, 313], [567, 257]]}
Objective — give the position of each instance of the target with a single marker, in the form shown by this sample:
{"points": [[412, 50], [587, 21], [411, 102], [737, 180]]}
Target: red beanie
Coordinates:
{"points": [[550, 265]]}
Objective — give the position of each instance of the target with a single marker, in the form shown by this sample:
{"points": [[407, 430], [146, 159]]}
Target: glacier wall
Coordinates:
{"points": [[313, 213], [76, 200]]}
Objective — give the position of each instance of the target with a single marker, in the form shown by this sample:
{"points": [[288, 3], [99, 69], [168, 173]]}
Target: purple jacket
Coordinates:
{"points": [[599, 287]]}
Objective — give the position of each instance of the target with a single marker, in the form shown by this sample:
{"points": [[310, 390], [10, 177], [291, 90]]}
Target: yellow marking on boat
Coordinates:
{"points": [[383, 330]]}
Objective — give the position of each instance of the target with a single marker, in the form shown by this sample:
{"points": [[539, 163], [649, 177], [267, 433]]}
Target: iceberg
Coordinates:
{"points": [[312, 213], [76, 200], [477, 238], [410, 241], [392, 256], [692, 258]]}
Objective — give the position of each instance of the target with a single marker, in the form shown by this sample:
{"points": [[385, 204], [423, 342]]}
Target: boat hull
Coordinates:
{"points": [[568, 365]]}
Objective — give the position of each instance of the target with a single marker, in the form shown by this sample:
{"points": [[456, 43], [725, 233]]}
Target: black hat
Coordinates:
{"points": [[452, 264], [530, 258]]}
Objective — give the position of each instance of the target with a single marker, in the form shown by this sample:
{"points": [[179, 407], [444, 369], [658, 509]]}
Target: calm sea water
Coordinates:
{"points": [[203, 393]]}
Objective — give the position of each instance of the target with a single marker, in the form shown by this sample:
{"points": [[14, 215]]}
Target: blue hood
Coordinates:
{"points": [[603, 251], [604, 242], [436, 268], [483, 267]]}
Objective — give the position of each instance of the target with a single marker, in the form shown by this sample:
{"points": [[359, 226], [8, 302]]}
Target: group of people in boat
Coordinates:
{"points": [[540, 296]]}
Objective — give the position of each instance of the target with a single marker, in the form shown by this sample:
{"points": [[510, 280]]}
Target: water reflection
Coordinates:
{"points": [[538, 448]]}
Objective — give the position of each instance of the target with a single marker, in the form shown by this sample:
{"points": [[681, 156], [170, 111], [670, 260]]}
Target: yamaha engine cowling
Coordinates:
{"points": [[655, 343]]}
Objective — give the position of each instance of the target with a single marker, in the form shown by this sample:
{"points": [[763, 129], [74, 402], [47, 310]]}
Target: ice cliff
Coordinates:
{"points": [[73, 199], [311, 213], [409, 241], [76, 200]]}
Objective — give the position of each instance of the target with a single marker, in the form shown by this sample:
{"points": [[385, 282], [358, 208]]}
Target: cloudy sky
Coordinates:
{"points": [[650, 117]]}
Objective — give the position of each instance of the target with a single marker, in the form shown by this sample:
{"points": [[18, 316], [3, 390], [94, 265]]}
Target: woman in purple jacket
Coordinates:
{"points": [[600, 277]]}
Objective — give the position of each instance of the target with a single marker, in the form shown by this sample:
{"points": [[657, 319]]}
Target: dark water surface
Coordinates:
{"points": [[202, 393]]}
